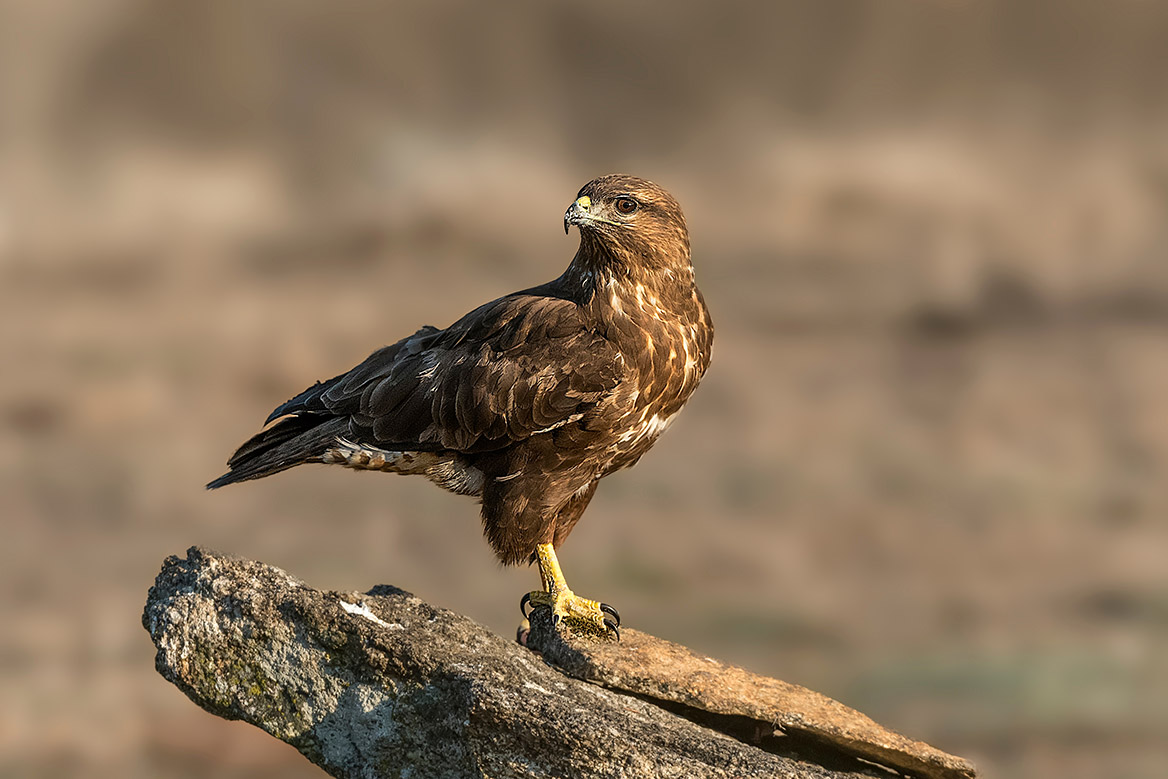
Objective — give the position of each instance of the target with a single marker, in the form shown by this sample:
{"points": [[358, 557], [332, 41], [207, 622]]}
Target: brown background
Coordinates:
{"points": [[925, 474]]}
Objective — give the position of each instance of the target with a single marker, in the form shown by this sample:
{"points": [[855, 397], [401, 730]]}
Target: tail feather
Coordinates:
{"points": [[292, 441]]}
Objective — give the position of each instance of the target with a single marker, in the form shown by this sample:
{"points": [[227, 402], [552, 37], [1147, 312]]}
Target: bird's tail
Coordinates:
{"points": [[294, 440]]}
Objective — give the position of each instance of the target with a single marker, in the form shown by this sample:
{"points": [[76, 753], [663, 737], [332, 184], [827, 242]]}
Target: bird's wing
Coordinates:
{"points": [[517, 366], [311, 400]]}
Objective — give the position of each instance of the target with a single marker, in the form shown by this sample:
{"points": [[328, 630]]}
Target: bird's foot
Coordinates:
{"points": [[577, 615]]}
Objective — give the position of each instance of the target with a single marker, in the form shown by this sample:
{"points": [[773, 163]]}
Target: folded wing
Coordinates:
{"points": [[518, 366]]}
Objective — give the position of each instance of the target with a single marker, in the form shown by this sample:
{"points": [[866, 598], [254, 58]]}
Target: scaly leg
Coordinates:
{"points": [[569, 610]]}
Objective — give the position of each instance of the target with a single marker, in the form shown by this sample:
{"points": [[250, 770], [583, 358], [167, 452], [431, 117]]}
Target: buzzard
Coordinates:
{"points": [[529, 400]]}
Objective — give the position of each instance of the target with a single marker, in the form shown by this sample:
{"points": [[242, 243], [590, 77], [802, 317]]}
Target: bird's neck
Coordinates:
{"points": [[624, 293], [598, 269]]}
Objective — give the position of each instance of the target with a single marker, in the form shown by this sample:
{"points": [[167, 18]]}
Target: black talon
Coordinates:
{"points": [[556, 619], [610, 610], [523, 605], [608, 623]]}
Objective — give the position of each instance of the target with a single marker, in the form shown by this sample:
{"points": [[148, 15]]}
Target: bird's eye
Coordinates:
{"points": [[626, 205]]}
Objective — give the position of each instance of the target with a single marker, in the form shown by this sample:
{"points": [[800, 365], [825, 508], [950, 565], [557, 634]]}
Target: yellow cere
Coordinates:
{"points": [[584, 202]]}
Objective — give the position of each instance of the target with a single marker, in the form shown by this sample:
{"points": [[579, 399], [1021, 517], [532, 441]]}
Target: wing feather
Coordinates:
{"points": [[518, 366]]}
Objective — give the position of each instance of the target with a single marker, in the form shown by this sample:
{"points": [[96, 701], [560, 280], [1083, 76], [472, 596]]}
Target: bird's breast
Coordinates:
{"points": [[664, 336]]}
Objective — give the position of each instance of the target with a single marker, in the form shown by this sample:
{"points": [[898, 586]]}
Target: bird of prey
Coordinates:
{"points": [[529, 400]]}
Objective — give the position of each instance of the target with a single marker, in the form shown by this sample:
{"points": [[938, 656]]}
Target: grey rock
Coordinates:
{"points": [[381, 684]]}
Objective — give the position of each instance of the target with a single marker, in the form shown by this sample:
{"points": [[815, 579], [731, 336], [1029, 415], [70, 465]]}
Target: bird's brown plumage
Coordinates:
{"points": [[529, 400]]}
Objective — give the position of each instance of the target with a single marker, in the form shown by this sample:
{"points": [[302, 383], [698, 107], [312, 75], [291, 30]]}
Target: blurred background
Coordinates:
{"points": [[926, 473]]}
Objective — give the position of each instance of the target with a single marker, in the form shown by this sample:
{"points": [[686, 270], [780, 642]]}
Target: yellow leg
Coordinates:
{"points": [[568, 609]]}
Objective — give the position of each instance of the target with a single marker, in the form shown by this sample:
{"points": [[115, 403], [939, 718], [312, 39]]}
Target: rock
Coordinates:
{"points": [[382, 684], [712, 692]]}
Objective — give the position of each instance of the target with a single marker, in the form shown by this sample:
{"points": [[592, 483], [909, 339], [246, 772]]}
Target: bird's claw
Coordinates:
{"points": [[576, 614], [614, 627]]}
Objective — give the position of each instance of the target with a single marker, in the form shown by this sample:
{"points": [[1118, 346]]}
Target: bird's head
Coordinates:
{"points": [[630, 220]]}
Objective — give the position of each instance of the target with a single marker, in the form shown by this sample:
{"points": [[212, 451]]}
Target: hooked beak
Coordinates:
{"points": [[577, 213]]}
